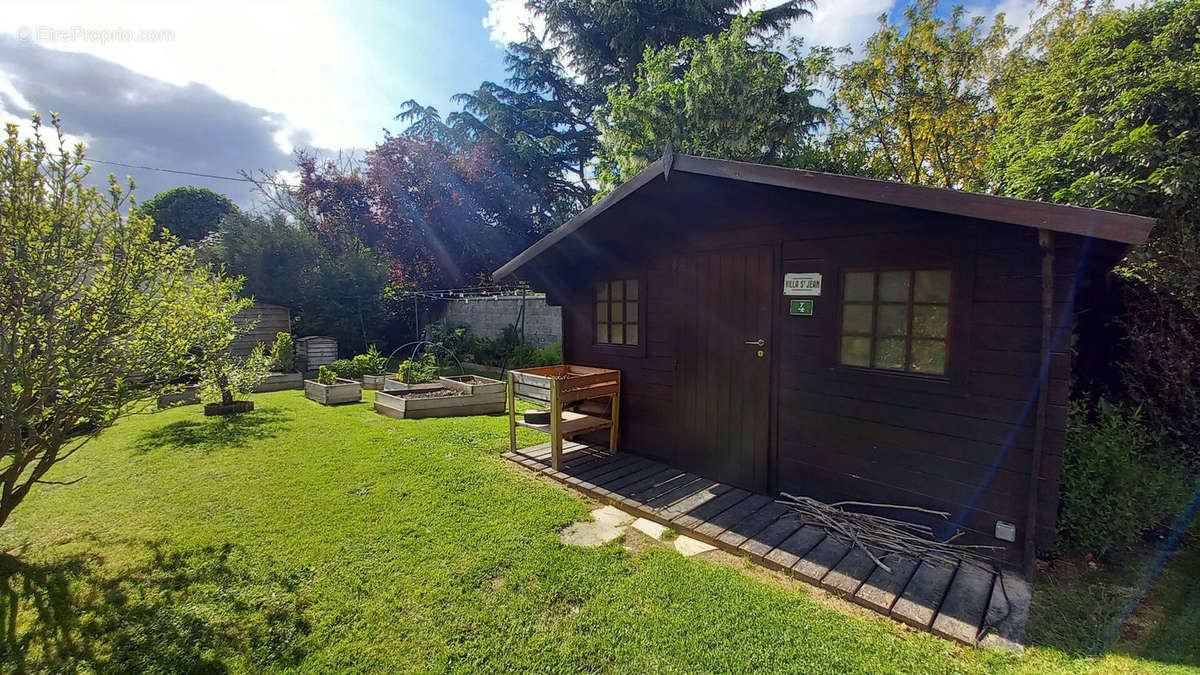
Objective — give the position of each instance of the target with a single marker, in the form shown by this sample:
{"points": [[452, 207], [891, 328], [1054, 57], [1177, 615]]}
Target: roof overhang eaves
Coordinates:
{"points": [[587, 215], [1109, 225]]}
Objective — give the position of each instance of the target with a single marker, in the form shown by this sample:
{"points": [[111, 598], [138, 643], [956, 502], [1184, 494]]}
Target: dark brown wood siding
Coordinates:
{"points": [[963, 444]]}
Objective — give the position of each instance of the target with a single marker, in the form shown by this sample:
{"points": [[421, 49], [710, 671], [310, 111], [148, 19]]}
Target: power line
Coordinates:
{"points": [[240, 179], [472, 292]]}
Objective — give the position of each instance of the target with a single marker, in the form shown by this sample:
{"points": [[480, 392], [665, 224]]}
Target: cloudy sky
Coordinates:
{"points": [[218, 87]]}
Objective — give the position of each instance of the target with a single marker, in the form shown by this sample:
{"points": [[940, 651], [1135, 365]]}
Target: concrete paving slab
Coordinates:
{"points": [[589, 535], [690, 547], [612, 516], [649, 528], [1004, 625]]}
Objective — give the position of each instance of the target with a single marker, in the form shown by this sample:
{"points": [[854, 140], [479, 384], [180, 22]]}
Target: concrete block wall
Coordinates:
{"points": [[488, 316]]}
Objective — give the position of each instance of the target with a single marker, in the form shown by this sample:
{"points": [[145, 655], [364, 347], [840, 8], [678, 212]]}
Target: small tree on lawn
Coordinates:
{"points": [[223, 375], [96, 315]]}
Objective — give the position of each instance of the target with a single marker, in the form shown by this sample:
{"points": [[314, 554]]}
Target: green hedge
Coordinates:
{"points": [[504, 351], [1120, 479]]}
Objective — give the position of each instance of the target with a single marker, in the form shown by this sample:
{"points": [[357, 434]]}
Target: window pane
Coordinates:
{"points": [[631, 289], [618, 291], [932, 286], [929, 356], [602, 311], [889, 353], [631, 334], [930, 320], [618, 312], [893, 286], [856, 351], [618, 335], [631, 312], [892, 320], [859, 286], [602, 290], [602, 332], [856, 319]]}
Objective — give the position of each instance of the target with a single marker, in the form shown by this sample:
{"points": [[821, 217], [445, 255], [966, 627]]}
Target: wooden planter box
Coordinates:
{"points": [[560, 386], [341, 391], [215, 409], [473, 384], [394, 404], [280, 382], [376, 381], [392, 384]]}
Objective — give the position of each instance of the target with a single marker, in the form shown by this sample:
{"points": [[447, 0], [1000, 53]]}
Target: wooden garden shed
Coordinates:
{"points": [[838, 337], [259, 323], [314, 351]]}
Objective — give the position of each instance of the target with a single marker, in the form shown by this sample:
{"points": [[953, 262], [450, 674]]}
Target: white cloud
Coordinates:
{"points": [[506, 21], [14, 107], [1017, 13], [834, 24], [275, 54], [1021, 14], [129, 122]]}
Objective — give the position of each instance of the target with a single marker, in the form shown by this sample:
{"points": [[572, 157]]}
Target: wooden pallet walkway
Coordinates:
{"points": [[951, 601]]}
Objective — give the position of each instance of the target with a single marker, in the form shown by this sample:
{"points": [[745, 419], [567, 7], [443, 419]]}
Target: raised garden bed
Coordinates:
{"points": [[280, 382], [473, 384], [392, 384], [376, 382], [341, 391], [466, 395], [215, 409]]}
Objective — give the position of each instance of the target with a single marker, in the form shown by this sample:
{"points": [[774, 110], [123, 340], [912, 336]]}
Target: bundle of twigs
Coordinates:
{"points": [[880, 536]]}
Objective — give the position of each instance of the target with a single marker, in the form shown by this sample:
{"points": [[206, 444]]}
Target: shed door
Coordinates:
{"points": [[722, 374]]}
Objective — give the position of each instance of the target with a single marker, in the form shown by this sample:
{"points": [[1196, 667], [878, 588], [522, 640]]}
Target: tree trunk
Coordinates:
{"points": [[226, 389]]}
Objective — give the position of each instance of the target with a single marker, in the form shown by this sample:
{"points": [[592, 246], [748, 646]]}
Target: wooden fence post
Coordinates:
{"points": [[556, 440], [512, 413]]}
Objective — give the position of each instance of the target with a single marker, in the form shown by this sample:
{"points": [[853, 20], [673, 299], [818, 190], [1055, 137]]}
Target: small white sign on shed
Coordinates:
{"points": [[802, 283]]}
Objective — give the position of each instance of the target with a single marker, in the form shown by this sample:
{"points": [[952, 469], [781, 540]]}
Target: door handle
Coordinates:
{"points": [[757, 343]]}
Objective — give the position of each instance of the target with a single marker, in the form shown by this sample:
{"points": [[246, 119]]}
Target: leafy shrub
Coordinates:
{"points": [[507, 351], [371, 363], [1119, 479], [284, 352], [423, 369], [1160, 366], [226, 378], [549, 356], [326, 375], [456, 340], [345, 368], [528, 356]]}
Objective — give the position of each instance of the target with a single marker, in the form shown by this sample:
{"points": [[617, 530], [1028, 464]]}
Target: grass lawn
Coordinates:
{"points": [[301, 537]]}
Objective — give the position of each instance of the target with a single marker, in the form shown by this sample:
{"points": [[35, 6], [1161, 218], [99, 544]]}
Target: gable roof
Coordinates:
{"points": [[1108, 225]]}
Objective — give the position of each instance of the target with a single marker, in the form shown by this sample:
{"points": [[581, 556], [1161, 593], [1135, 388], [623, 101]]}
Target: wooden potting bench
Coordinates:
{"points": [[575, 396]]}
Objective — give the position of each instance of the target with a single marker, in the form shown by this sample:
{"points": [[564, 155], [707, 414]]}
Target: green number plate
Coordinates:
{"points": [[802, 307]]}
